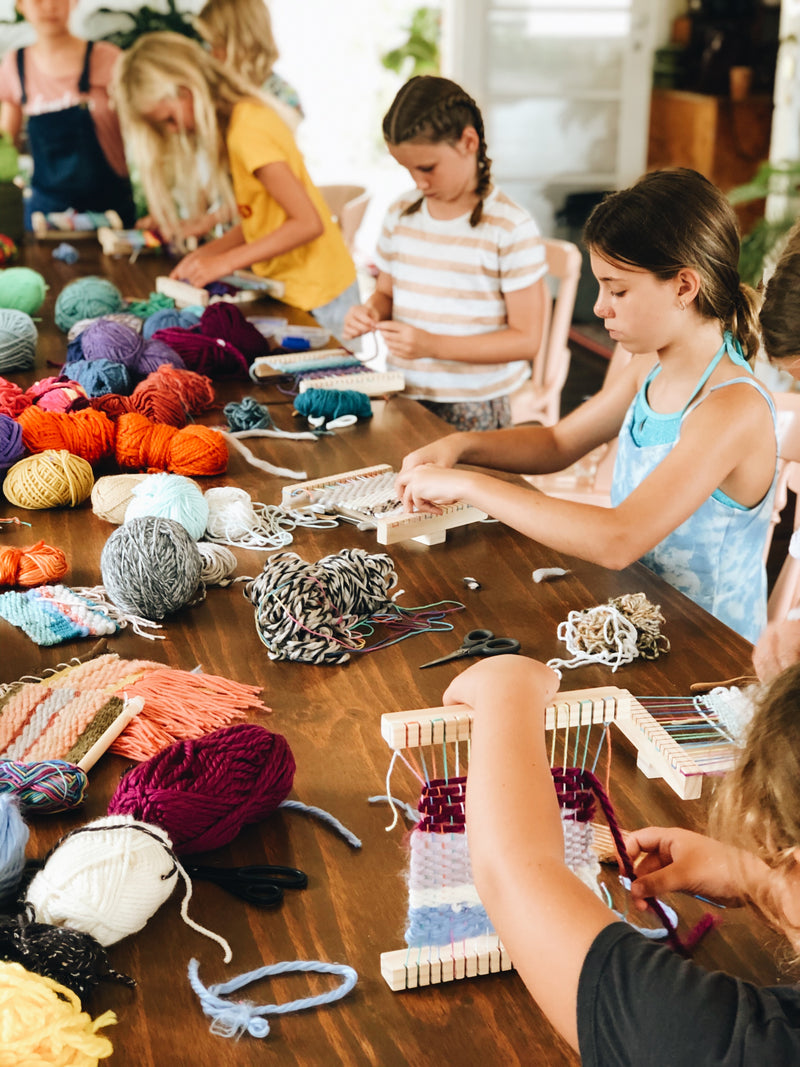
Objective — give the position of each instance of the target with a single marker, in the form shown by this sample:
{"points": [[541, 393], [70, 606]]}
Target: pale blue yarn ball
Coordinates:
{"points": [[86, 298], [13, 839], [18, 336], [100, 376], [171, 496], [169, 317]]}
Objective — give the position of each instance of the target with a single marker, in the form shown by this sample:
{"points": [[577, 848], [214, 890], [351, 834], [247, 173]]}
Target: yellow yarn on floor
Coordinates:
{"points": [[49, 479], [41, 1023]]}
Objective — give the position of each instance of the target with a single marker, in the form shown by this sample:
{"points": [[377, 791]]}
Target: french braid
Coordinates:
{"points": [[431, 110]]}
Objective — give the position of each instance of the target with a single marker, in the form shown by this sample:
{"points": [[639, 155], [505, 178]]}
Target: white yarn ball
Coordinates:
{"points": [[107, 879], [230, 512]]}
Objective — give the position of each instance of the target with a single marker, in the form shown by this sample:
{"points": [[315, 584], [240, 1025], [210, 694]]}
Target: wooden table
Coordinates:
{"points": [[354, 906]]}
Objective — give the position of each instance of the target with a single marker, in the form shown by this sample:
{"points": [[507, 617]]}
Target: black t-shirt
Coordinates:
{"points": [[640, 1004]]}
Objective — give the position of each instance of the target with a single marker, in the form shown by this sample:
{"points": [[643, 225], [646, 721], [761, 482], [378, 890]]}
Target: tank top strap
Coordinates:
{"points": [[83, 81], [730, 348], [21, 73]]}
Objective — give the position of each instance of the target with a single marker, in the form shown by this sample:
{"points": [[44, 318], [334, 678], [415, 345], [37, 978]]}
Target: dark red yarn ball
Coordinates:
{"points": [[213, 356], [203, 792], [226, 320]]}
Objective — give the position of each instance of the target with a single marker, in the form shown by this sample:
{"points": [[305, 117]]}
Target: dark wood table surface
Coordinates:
{"points": [[354, 906]]}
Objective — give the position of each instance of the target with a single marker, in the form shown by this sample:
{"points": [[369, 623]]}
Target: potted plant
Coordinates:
{"points": [[779, 185]]}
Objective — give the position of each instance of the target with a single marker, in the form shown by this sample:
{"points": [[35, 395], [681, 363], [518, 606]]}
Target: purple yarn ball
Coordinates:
{"points": [[11, 446], [154, 354], [106, 339]]}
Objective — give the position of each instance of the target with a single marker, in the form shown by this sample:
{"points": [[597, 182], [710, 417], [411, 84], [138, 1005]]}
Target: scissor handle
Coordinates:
{"points": [[477, 637], [500, 646]]}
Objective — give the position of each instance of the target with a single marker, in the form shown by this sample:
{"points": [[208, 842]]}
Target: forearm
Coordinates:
{"points": [[499, 346], [517, 450], [290, 235], [231, 239], [380, 304]]}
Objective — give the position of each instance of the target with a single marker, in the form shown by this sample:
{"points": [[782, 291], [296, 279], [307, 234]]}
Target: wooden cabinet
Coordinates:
{"points": [[724, 139]]}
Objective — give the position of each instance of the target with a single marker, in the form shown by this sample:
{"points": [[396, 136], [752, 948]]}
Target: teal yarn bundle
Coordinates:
{"points": [[13, 839], [86, 298], [171, 496], [18, 336], [331, 404], [22, 289], [151, 567]]}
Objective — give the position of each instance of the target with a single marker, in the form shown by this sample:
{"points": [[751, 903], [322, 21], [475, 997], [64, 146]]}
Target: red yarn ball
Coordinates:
{"points": [[7, 249], [203, 792]]}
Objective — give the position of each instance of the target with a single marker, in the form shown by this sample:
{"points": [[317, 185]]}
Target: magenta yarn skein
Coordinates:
{"points": [[226, 321], [213, 356], [203, 792]]}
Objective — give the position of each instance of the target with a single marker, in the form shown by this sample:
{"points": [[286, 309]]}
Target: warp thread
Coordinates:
{"points": [[233, 1019], [52, 479], [108, 878], [204, 791], [614, 633], [43, 1023], [33, 565]]}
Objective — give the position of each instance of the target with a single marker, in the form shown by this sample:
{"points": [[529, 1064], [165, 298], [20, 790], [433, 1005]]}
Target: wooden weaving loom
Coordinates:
{"points": [[366, 497], [314, 364], [247, 286], [444, 731]]}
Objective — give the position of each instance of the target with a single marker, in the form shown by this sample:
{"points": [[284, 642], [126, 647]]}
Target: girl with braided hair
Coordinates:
{"points": [[695, 472], [460, 298]]}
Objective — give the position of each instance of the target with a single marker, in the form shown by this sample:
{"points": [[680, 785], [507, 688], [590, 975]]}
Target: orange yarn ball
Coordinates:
{"points": [[195, 390], [86, 433], [194, 450], [154, 399], [35, 565], [50, 479], [111, 404]]}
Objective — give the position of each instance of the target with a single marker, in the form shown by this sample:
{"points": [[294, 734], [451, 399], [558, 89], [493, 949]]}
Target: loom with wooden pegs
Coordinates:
{"points": [[373, 383], [132, 243], [367, 498], [70, 224], [315, 359], [470, 947], [246, 286]]}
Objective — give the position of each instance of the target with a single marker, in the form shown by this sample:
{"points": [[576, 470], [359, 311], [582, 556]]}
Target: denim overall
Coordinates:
{"points": [[715, 557], [70, 168]]}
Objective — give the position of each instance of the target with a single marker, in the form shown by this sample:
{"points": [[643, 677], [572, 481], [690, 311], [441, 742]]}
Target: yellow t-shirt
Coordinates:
{"points": [[316, 272]]}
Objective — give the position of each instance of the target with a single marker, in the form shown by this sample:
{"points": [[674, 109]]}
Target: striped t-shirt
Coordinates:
{"points": [[450, 278]]}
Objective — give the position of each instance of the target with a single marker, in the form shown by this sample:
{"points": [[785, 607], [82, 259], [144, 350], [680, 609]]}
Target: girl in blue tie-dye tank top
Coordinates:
{"points": [[695, 474]]}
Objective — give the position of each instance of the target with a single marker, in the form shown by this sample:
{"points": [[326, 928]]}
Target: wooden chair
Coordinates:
{"points": [[785, 594], [347, 204], [539, 400], [589, 480]]}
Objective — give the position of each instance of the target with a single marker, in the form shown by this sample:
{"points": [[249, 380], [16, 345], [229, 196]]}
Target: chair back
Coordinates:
{"points": [[347, 204], [785, 593]]}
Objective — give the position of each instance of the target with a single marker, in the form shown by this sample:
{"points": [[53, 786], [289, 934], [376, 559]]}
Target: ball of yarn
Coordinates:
{"points": [[213, 356], [106, 339], [43, 1023], [150, 567], [154, 354], [13, 839], [194, 450], [86, 298], [18, 337], [196, 391], [71, 957], [58, 394], [219, 563], [112, 494], [226, 321], [51, 479], [99, 377], [169, 318], [171, 496], [12, 398], [11, 446], [107, 878], [7, 249], [38, 564], [86, 433], [230, 513], [46, 786], [332, 403], [156, 401], [203, 792], [124, 317], [22, 288]]}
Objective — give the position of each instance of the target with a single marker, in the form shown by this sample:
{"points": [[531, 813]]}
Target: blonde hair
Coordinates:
{"points": [[756, 806], [243, 29], [156, 68]]}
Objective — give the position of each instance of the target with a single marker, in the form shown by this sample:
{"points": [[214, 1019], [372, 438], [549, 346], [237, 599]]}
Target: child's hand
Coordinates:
{"points": [[404, 341], [199, 268], [445, 452], [500, 680], [777, 648], [361, 318], [427, 487], [670, 859]]}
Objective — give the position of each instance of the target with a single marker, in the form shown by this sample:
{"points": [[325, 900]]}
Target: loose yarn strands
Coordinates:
{"points": [[249, 418], [234, 519], [614, 634], [233, 1019], [43, 1023]]}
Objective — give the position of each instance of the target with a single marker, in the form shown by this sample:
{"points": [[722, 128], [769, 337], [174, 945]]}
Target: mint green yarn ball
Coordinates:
{"points": [[22, 289], [86, 298]]}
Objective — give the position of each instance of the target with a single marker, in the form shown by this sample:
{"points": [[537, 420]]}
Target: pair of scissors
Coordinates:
{"points": [[259, 884], [478, 643]]}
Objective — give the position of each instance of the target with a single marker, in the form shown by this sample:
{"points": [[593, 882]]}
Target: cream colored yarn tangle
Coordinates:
{"points": [[112, 494], [51, 479], [614, 633]]}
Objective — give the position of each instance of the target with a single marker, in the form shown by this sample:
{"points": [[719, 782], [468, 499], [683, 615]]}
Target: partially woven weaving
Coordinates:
{"points": [[52, 614]]}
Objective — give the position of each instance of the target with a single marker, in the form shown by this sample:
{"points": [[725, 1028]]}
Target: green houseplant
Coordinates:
{"points": [[764, 240], [419, 54]]}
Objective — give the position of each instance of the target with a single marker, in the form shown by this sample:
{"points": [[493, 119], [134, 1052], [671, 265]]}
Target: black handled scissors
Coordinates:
{"points": [[260, 884], [478, 643]]}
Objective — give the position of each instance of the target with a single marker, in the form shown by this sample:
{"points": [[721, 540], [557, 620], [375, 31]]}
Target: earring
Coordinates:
{"points": [[682, 305]]}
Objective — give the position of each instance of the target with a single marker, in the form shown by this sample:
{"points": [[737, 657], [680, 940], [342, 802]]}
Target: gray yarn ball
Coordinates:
{"points": [[151, 567]]}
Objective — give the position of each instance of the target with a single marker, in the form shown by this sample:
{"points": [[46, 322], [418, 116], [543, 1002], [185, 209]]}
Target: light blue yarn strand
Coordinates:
{"points": [[235, 1019], [323, 816]]}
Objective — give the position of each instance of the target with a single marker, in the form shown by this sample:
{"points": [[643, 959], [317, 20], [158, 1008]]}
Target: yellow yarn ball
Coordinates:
{"points": [[112, 494], [41, 1023], [51, 479]]}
